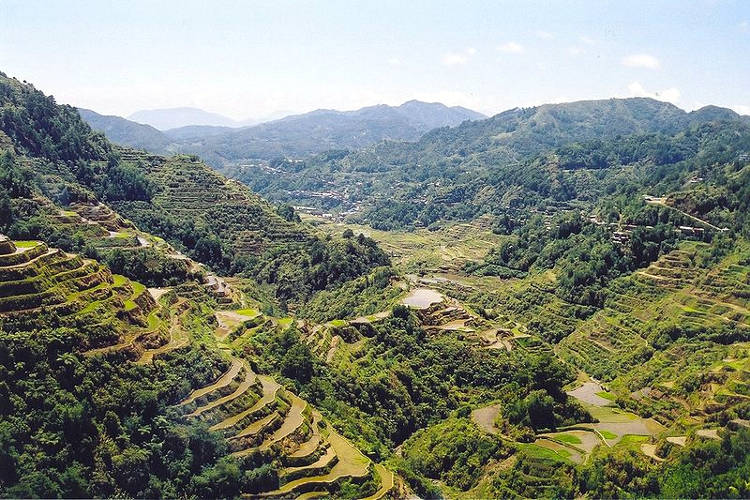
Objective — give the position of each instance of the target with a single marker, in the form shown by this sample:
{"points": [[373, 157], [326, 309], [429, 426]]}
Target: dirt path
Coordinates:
{"points": [[244, 386], [351, 463], [292, 422], [270, 387], [177, 337], [660, 201], [386, 481], [311, 444]]}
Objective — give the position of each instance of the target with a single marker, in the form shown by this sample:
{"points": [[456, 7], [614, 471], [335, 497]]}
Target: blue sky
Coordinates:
{"points": [[249, 59]]}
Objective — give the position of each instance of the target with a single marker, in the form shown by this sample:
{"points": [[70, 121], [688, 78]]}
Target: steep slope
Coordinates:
{"points": [[74, 312], [219, 222], [96, 365]]}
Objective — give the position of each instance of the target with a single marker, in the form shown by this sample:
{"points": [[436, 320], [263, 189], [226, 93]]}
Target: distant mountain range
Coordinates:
{"points": [[126, 132], [172, 118], [452, 172], [220, 141], [165, 119]]}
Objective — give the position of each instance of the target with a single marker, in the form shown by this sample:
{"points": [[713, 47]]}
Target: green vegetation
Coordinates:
{"points": [[223, 225], [570, 439], [361, 297], [606, 395], [218, 222], [519, 162], [706, 469], [295, 135], [453, 451], [588, 332]]}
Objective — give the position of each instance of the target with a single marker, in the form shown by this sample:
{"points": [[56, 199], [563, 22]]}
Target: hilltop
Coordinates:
{"points": [[122, 131]]}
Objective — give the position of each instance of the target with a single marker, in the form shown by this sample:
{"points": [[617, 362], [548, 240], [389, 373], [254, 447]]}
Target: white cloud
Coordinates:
{"points": [[641, 61], [744, 25], [544, 35], [511, 48], [671, 94], [456, 58], [586, 40], [394, 61]]}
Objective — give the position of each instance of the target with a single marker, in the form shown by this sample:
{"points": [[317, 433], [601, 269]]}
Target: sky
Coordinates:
{"points": [[250, 59]]}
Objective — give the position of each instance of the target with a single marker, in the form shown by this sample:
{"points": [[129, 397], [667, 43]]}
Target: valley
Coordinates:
{"points": [[522, 318]]}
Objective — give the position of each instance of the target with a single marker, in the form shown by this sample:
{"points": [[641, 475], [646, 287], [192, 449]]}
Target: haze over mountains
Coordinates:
{"points": [[202, 133], [167, 118]]}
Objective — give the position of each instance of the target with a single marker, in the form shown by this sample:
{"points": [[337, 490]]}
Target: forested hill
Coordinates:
{"points": [[294, 136], [520, 158], [526, 131], [49, 154]]}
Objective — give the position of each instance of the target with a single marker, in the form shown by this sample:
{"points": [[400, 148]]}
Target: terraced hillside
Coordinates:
{"points": [[189, 190], [43, 286], [261, 420], [674, 297], [54, 165], [192, 340], [667, 343], [115, 318]]}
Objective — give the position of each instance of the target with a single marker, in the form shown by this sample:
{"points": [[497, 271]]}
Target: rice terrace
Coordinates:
{"points": [[366, 250]]}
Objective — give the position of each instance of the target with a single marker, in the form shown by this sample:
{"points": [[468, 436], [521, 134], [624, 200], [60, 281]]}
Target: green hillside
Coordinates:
{"points": [[113, 389], [48, 151], [517, 162], [120, 384], [122, 131], [572, 321], [294, 135]]}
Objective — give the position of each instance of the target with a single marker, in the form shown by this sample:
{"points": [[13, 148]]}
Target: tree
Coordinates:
{"points": [[297, 363]]}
